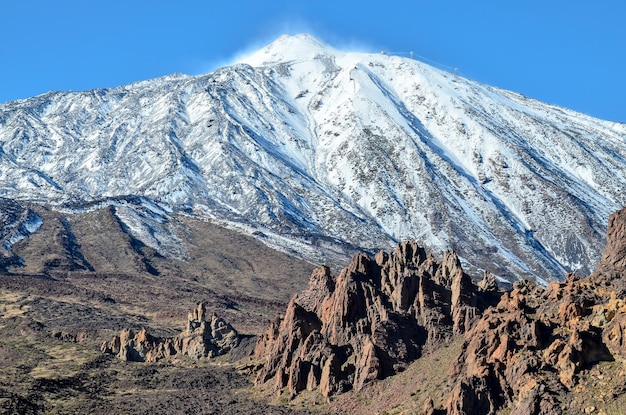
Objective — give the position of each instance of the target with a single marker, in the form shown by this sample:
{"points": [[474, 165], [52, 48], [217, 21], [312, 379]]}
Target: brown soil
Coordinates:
{"points": [[70, 297]]}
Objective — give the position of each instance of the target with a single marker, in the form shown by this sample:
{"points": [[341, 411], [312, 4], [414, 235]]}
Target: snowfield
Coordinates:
{"points": [[322, 152]]}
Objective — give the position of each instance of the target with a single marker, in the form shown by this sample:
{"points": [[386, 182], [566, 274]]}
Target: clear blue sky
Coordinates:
{"points": [[570, 53]]}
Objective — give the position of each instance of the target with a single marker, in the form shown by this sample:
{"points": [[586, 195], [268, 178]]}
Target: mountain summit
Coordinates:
{"points": [[323, 152], [287, 48]]}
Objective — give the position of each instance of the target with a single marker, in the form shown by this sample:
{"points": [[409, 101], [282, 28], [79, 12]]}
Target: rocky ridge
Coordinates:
{"points": [[204, 337], [372, 320], [531, 350], [16, 223]]}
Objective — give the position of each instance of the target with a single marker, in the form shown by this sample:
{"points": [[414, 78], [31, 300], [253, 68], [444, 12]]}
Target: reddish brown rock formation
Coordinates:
{"points": [[368, 323], [612, 266], [488, 283], [528, 351], [614, 255], [202, 338], [428, 408], [613, 318]]}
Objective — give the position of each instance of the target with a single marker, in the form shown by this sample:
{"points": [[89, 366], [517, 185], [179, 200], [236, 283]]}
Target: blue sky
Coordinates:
{"points": [[569, 53]]}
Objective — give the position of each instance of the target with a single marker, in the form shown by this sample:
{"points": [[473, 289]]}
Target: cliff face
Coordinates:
{"points": [[377, 316], [612, 266]]}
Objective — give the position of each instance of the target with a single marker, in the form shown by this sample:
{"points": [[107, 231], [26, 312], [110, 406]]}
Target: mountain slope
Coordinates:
{"points": [[323, 151]]}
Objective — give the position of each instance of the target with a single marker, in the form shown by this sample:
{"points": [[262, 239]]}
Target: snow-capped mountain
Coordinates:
{"points": [[310, 147]]}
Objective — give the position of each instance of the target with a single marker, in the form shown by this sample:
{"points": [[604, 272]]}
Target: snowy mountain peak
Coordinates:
{"points": [[324, 152], [288, 48]]}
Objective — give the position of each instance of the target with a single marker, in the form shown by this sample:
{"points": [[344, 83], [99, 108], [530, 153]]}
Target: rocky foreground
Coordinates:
{"points": [[531, 350], [370, 322], [400, 332]]}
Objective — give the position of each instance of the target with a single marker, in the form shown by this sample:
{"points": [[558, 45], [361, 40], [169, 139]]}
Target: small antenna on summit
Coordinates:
{"points": [[411, 53]]}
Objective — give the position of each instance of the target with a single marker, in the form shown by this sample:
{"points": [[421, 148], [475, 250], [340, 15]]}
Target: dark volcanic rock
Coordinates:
{"points": [[368, 323]]}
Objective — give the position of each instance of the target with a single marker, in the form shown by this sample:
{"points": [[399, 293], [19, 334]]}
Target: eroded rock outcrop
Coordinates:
{"points": [[612, 266], [531, 350], [378, 315], [204, 337], [614, 255], [528, 351]]}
